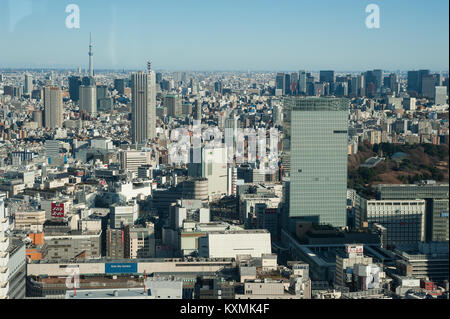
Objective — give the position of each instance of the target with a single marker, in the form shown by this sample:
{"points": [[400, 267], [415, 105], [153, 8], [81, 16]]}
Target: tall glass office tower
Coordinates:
{"points": [[302, 82], [315, 147]]}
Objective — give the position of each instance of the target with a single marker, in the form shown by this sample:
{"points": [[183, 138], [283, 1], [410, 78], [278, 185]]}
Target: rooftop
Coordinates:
{"points": [[130, 293]]}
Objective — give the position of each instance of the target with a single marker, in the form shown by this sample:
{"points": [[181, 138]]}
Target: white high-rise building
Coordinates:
{"points": [[52, 152], [143, 91], [213, 166], [440, 95]]}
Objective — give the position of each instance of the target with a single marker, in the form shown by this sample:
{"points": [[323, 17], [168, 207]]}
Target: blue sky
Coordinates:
{"points": [[227, 35]]}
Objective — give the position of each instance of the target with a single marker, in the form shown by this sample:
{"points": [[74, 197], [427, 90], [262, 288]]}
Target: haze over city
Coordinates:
{"points": [[227, 35], [228, 151]]}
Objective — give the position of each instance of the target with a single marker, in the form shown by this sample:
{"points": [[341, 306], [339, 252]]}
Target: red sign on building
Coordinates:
{"points": [[57, 210]]}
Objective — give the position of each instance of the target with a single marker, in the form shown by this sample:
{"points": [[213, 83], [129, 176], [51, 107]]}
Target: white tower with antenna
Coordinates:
{"points": [[91, 57]]}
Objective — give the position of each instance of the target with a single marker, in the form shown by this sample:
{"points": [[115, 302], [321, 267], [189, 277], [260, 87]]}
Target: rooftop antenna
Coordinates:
{"points": [[149, 66]]}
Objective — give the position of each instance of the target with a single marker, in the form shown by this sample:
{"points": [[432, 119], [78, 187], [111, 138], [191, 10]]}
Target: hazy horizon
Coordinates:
{"points": [[230, 36]]}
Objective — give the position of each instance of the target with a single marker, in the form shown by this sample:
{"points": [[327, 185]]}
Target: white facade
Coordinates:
{"points": [[165, 288], [440, 95], [90, 225], [130, 190], [215, 169], [91, 268], [16, 270], [213, 166], [46, 205], [229, 244], [204, 215], [180, 216], [248, 203], [132, 160], [30, 220], [123, 215], [141, 242]]}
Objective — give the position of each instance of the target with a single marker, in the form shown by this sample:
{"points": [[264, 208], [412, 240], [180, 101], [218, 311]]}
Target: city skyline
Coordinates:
{"points": [[251, 38], [241, 150]]}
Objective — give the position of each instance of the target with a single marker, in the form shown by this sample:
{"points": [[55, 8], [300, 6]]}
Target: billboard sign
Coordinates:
{"points": [[373, 280], [57, 210], [120, 268], [354, 249]]}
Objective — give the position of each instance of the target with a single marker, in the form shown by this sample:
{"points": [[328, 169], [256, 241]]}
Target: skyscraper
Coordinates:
{"points": [[361, 85], [28, 85], [378, 75], [294, 83], [102, 92], [353, 89], [422, 74], [213, 166], [328, 77], [440, 95], [74, 88], [428, 84], [279, 83], [53, 110], [302, 82], [198, 110], [158, 77], [287, 84], [88, 99], [88, 81], [173, 104], [218, 87], [413, 81], [316, 144], [143, 121], [119, 85], [393, 83]]}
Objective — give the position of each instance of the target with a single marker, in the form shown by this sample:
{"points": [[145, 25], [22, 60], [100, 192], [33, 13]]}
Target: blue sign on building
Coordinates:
{"points": [[121, 268]]}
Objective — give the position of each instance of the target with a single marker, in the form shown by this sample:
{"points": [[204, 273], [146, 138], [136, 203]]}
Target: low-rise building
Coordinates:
{"points": [[229, 244]]}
